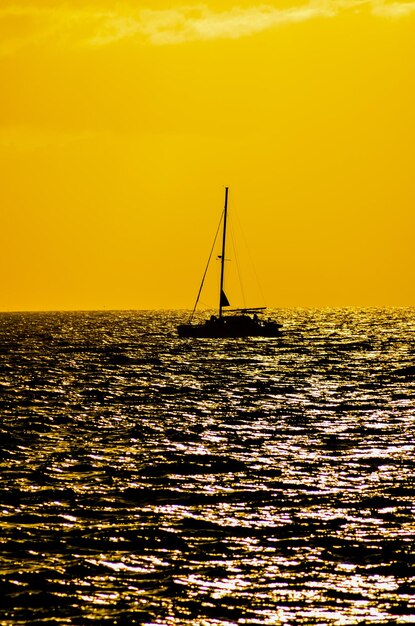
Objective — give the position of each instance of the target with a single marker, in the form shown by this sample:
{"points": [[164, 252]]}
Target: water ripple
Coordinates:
{"points": [[150, 479]]}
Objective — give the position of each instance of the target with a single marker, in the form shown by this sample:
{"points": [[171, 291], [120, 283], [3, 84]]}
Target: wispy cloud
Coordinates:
{"points": [[190, 25], [393, 9], [23, 25]]}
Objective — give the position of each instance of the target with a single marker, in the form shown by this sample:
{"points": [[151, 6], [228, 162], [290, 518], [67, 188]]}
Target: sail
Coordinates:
{"points": [[223, 299]]}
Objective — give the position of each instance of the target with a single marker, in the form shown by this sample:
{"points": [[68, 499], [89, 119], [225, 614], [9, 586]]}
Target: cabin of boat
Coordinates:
{"points": [[241, 323]]}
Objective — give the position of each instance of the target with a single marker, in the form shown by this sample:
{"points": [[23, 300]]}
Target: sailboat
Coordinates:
{"points": [[244, 322]]}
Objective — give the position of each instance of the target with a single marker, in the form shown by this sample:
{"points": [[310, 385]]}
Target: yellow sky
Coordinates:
{"points": [[121, 124]]}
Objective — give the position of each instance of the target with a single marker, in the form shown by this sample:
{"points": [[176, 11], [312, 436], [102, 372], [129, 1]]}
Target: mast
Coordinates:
{"points": [[222, 259]]}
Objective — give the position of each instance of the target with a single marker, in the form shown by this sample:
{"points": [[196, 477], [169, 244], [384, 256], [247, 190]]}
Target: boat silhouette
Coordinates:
{"points": [[242, 322]]}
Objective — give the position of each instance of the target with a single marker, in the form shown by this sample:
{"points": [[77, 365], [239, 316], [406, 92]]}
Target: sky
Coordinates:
{"points": [[121, 124]]}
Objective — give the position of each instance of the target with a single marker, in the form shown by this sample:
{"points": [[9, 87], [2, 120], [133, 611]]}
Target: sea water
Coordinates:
{"points": [[157, 480]]}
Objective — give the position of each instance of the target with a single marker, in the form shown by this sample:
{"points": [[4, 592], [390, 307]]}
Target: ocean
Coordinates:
{"points": [[148, 479]]}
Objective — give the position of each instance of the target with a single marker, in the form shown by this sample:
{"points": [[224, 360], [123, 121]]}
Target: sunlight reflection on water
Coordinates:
{"points": [[151, 479]]}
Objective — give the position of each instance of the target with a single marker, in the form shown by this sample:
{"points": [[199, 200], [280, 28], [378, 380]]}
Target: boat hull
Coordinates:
{"points": [[232, 327]]}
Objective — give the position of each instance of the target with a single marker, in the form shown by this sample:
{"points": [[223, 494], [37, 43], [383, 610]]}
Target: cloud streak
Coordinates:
{"points": [[63, 26], [181, 26]]}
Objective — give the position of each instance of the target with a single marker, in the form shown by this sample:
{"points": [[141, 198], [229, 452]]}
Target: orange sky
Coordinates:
{"points": [[121, 124]]}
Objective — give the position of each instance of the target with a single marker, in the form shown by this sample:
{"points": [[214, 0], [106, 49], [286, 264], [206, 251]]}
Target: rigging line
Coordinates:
{"points": [[206, 269], [238, 267], [251, 261]]}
